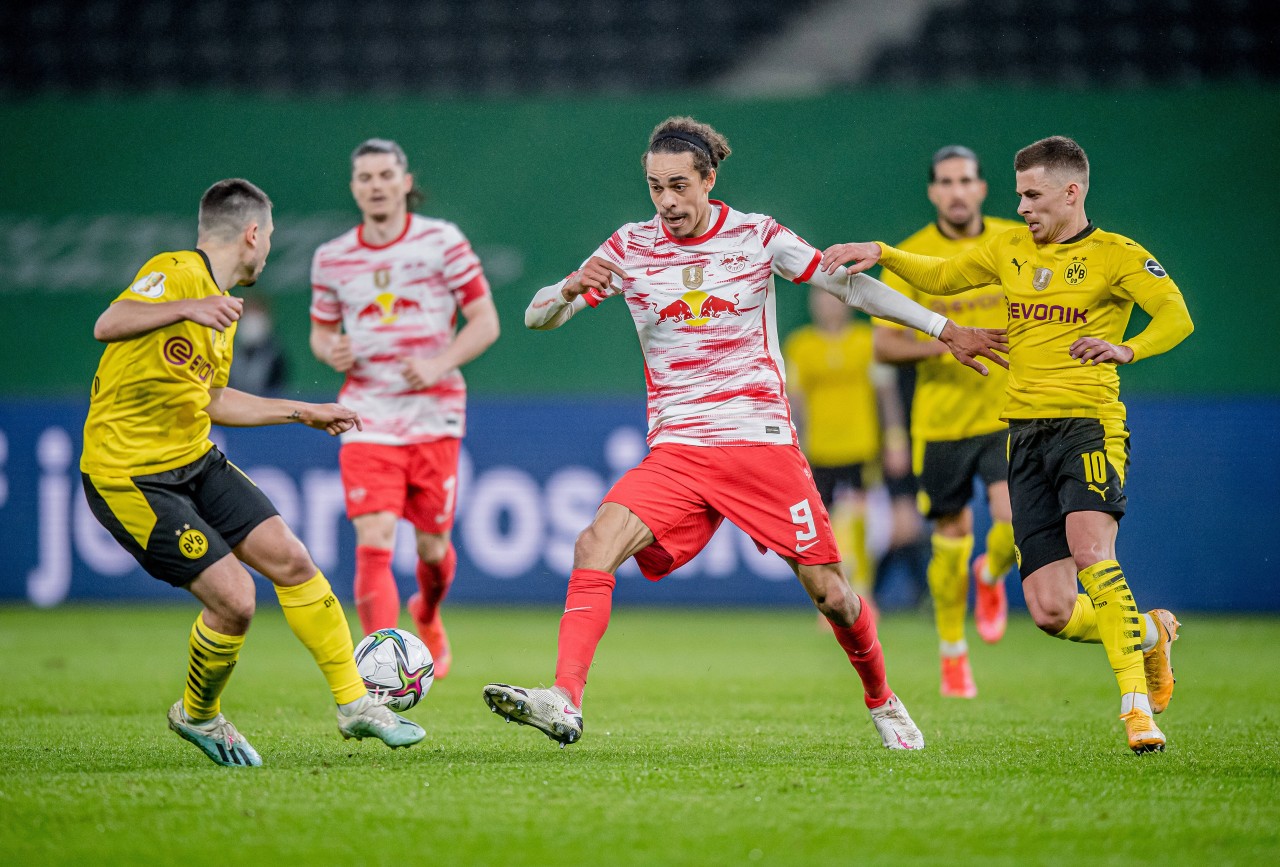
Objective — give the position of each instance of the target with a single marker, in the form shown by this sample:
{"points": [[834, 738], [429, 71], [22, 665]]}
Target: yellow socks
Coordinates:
{"points": [[315, 616], [1083, 625], [1000, 549], [212, 658], [1119, 625], [949, 584]]}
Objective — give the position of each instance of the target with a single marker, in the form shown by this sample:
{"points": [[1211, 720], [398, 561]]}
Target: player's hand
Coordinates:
{"points": [[1098, 351], [857, 257], [597, 274], [422, 373], [215, 311], [341, 357], [967, 344], [333, 418]]}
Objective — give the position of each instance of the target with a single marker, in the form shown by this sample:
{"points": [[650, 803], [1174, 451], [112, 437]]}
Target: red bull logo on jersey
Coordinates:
{"points": [[696, 308], [387, 308], [734, 262]]}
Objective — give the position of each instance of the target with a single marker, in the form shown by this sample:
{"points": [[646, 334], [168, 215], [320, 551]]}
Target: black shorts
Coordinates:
{"points": [[178, 523], [825, 479], [948, 467], [1058, 466]]}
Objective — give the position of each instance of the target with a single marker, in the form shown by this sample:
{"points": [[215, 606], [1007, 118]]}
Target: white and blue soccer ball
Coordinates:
{"points": [[395, 664]]}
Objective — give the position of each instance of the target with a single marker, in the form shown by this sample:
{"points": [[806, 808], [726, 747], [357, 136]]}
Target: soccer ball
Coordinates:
{"points": [[396, 664]]}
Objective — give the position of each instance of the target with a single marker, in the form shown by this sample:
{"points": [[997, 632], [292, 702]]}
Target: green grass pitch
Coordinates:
{"points": [[727, 737]]}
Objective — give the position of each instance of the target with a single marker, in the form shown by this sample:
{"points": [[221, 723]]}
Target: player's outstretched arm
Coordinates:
{"points": [[127, 319], [555, 305], [232, 408], [857, 257]]}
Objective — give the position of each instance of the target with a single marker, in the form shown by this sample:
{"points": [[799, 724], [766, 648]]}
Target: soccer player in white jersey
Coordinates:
{"points": [[698, 281], [384, 308]]}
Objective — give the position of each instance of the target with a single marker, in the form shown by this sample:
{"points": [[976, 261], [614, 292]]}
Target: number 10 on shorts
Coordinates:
{"points": [[803, 515]]}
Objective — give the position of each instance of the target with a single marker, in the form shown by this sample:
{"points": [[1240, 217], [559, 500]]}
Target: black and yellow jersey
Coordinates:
{"points": [[951, 401], [1055, 294], [149, 396], [832, 374]]}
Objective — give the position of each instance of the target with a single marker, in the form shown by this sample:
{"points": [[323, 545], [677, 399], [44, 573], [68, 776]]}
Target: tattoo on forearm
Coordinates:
{"points": [[296, 415]]}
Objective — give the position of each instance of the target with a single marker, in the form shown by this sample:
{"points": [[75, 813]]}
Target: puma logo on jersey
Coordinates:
{"points": [[1101, 492], [1014, 261]]}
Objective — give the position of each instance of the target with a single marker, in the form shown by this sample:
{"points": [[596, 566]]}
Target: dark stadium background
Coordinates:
{"points": [[524, 123]]}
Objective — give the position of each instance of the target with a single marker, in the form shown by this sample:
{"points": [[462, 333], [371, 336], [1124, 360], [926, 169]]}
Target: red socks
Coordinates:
{"points": [[862, 646], [586, 616], [434, 581], [377, 599]]}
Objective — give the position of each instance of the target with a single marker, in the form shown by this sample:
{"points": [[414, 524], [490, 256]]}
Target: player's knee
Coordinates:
{"points": [[433, 547], [590, 546], [834, 598], [232, 614], [1050, 615], [293, 565]]}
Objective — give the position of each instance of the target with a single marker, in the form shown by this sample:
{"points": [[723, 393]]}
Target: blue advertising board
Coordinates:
{"points": [[1202, 493]]}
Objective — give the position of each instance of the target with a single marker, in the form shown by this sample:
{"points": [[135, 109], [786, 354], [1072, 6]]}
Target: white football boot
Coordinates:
{"points": [[547, 710], [372, 718], [894, 724]]}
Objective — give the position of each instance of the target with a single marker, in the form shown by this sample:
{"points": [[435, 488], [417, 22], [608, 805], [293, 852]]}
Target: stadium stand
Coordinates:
{"points": [[497, 48], [464, 47]]}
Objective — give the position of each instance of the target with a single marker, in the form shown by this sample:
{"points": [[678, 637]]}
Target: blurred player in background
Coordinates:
{"points": [[172, 499], [697, 279], [956, 429], [1070, 289], [384, 310], [838, 403]]}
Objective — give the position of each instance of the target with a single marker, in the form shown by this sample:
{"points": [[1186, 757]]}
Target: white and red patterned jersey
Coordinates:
{"points": [[704, 311], [397, 301]]}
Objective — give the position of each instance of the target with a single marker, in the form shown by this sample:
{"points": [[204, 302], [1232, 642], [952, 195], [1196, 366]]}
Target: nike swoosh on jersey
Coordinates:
{"points": [[800, 549]]}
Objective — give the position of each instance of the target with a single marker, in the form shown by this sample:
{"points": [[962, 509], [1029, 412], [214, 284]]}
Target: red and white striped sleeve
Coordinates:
{"points": [[793, 257]]}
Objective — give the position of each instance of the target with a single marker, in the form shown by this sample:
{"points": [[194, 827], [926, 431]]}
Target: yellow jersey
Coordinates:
{"points": [[832, 374], [1055, 294], [951, 401], [149, 396]]}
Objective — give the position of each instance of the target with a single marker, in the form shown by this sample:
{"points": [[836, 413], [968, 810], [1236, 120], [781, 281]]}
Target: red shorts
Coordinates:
{"points": [[416, 482], [682, 493]]}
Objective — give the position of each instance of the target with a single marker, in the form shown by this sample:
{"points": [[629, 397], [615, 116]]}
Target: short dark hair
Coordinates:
{"points": [[1057, 154], [415, 197], [227, 207], [677, 135], [951, 152]]}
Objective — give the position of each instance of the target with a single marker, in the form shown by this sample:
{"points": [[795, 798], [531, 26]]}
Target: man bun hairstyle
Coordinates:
{"points": [[678, 135], [229, 206], [1058, 155], [951, 152], [415, 197]]}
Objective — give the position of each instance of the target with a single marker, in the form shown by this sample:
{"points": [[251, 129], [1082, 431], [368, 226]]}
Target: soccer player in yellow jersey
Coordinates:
{"points": [[1070, 288], [188, 515], [956, 429], [836, 401]]}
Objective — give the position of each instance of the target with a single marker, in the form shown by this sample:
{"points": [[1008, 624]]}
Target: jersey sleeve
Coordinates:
{"points": [[893, 281], [326, 308], [1140, 278], [158, 281], [463, 273], [934, 276], [793, 257]]}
